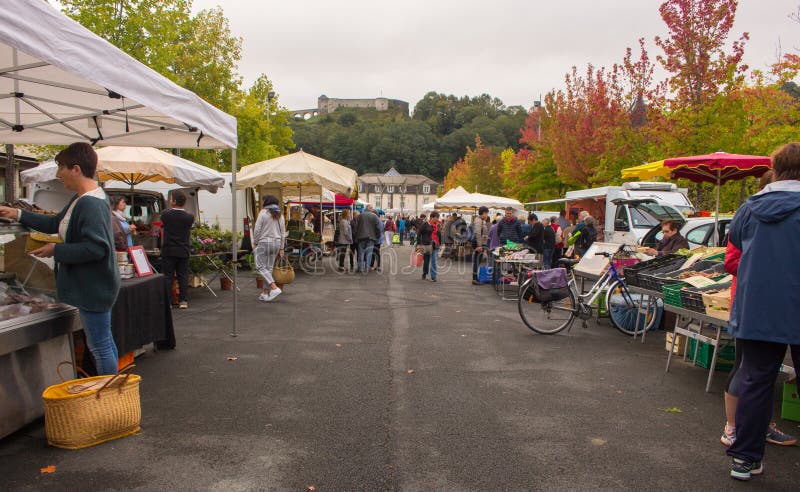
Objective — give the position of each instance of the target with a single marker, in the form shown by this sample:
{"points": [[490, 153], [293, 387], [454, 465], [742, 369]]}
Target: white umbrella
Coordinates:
{"points": [[134, 165], [299, 170]]}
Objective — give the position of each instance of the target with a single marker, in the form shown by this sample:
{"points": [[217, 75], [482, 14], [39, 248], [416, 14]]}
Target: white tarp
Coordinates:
{"points": [[304, 173], [459, 198], [60, 83], [136, 165]]}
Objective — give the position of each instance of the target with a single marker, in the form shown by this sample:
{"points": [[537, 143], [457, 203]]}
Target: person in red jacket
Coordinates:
{"points": [[774, 435]]}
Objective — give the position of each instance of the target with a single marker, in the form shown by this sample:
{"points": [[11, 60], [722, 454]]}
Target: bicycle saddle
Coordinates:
{"points": [[568, 262]]}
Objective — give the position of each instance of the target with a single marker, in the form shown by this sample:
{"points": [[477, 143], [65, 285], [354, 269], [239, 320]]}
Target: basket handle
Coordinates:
{"points": [[58, 370], [124, 371]]}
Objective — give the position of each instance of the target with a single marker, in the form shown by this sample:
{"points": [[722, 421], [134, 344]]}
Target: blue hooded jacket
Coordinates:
{"points": [[767, 231]]}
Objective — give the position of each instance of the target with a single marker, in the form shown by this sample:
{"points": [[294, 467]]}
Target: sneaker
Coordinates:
{"points": [[433, 280], [274, 293], [183, 305], [264, 297], [728, 436], [475, 282], [776, 436], [743, 470]]}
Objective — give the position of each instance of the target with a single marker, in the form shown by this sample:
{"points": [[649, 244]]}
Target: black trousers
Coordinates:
{"points": [[761, 362], [171, 265], [477, 258], [341, 251]]}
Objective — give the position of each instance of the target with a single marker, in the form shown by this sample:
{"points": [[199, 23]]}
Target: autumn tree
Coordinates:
{"points": [[695, 51], [480, 170]]}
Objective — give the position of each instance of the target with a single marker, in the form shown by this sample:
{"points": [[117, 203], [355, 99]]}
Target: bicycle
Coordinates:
{"points": [[548, 318]]}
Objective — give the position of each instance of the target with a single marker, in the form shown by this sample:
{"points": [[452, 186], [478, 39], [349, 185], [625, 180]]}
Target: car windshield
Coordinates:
{"points": [[649, 215]]}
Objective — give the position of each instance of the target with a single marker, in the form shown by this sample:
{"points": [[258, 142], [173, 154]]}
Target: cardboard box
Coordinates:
{"points": [[680, 343]]}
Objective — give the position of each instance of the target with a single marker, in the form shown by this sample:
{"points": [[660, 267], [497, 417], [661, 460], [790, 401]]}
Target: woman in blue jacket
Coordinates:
{"points": [[766, 309], [86, 266]]}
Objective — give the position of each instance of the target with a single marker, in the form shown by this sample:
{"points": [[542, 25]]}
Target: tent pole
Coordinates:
{"points": [[234, 242], [716, 214]]}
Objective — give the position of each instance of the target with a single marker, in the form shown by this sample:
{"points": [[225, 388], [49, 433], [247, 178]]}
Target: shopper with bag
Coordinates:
{"points": [[86, 264], [480, 241], [429, 242], [269, 237]]}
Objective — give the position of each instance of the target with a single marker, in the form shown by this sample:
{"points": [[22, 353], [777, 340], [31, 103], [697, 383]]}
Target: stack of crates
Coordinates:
{"points": [[725, 356]]}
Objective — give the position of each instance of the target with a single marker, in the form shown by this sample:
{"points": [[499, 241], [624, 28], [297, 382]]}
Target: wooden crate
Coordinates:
{"points": [[680, 343], [718, 304]]}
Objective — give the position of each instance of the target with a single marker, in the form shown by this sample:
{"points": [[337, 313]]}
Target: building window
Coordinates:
{"points": [[402, 202], [378, 201], [426, 189], [425, 199], [390, 189], [376, 188], [360, 187]]}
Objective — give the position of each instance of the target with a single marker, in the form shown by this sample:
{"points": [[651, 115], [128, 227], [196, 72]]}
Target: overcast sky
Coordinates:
{"points": [[511, 49]]}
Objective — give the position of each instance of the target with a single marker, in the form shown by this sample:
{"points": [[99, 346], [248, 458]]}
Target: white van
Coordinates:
{"points": [[626, 213]]}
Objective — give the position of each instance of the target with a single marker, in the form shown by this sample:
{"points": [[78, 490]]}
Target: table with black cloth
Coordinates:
{"points": [[142, 314]]}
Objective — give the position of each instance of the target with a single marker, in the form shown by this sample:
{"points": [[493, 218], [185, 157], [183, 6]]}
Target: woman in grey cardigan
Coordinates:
{"points": [[86, 265], [344, 238], [269, 236]]}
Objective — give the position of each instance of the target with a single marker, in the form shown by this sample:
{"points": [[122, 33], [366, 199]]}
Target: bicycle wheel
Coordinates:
{"points": [[545, 318], [623, 307]]}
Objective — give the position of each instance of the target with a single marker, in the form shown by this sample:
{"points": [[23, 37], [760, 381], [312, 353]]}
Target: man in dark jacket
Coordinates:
{"points": [[367, 231], [176, 245], [509, 228], [671, 242], [535, 238], [765, 312], [548, 243]]}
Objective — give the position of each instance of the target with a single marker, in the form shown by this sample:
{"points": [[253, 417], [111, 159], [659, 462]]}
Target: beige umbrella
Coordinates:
{"points": [[306, 171]]}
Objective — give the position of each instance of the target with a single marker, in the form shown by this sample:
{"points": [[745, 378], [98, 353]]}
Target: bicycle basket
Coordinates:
{"points": [[550, 285]]}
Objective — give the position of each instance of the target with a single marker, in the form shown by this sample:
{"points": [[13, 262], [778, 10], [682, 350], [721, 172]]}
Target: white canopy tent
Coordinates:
{"points": [[60, 83], [134, 165], [459, 198]]}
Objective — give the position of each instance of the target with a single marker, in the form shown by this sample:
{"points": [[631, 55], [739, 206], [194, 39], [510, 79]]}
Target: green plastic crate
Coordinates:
{"points": [[672, 292], [790, 408], [725, 356]]}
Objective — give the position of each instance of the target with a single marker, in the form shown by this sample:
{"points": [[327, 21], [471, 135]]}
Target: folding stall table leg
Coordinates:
{"points": [[713, 359]]}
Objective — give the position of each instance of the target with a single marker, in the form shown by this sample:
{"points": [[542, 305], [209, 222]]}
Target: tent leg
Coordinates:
{"points": [[716, 214], [234, 244]]}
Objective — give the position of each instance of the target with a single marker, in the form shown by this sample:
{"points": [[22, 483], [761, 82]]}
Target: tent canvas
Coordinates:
{"points": [[61, 83], [134, 165], [296, 170]]}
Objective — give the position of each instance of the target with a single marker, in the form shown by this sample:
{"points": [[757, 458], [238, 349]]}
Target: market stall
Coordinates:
{"points": [[300, 178], [62, 84]]}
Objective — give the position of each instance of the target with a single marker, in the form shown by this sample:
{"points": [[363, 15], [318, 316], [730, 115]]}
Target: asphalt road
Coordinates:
{"points": [[389, 382]]}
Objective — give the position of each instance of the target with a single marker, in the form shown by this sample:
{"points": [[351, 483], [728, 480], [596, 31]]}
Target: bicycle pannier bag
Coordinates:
{"points": [[550, 285]]}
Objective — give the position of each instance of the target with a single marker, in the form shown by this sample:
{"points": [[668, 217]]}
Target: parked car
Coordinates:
{"points": [[698, 231]]}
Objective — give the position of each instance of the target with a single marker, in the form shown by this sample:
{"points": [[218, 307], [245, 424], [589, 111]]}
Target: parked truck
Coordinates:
{"points": [[625, 214]]}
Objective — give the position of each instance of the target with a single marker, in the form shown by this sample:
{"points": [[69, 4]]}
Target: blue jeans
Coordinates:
{"points": [[365, 254], [429, 263], [97, 327], [547, 258]]}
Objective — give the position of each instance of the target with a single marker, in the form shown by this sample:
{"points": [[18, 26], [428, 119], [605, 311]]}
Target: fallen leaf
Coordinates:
{"points": [[672, 410], [338, 345], [311, 487], [346, 300], [48, 469], [411, 371], [458, 311], [233, 358], [619, 392], [598, 441]]}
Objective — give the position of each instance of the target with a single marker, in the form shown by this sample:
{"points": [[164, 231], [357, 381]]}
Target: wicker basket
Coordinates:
{"points": [[85, 412], [282, 272]]}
